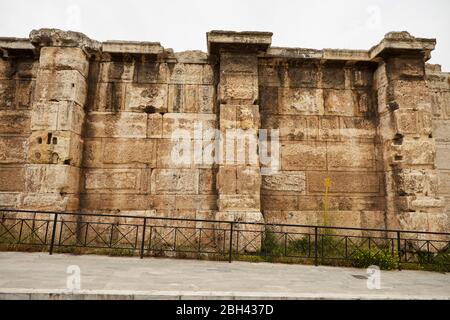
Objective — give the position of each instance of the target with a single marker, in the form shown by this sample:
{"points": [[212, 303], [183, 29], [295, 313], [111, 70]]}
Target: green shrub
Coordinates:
{"points": [[384, 259]]}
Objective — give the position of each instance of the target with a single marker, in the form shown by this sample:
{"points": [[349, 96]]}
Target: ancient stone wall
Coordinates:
{"points": [[96, 127]]}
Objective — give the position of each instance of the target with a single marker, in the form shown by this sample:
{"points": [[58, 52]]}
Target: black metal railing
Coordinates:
{"points": [[231, 240]]}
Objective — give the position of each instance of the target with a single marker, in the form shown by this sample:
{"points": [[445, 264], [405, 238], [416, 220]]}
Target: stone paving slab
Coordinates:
{"points": [[41, 276]]}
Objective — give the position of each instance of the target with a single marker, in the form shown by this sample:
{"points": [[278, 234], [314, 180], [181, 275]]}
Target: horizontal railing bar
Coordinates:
{"points": [[224, 221]]}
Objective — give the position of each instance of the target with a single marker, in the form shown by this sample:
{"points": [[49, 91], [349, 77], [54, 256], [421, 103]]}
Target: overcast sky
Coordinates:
{"points": [[181, 25]]}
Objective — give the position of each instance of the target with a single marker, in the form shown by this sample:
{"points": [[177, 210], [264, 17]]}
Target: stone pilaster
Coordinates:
{"points": [[405, 130], [57, 117], [239, 176]]}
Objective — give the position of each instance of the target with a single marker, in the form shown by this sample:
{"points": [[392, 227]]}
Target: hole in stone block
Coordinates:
{"points": [[398, 139], [55, 140], [430, 136], [39, 140], [49, 138], [398, 158], [149, 109], [392, 105], [67, 161]]}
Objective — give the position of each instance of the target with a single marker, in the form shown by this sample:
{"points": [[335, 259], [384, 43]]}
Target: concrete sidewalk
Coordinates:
{"points": [[41, 276]]}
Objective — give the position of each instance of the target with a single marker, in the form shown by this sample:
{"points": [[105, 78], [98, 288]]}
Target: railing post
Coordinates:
{"points": [[52, 241], [316, 256], [399, 254], [143, 238], [230, 253]]}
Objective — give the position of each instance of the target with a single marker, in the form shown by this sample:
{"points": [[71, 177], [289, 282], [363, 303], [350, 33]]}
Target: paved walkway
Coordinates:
{"points": [[41, 276]]}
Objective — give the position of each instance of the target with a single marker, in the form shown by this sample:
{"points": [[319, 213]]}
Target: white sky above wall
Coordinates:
{"points": [[181, 25]]}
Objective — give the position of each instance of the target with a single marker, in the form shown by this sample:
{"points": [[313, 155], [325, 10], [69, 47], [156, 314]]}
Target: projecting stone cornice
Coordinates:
{"points": [[255, 41]]}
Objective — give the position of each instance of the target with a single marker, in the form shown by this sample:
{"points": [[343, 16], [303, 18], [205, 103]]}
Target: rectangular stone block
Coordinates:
{"points": [[238, 63], [333, 75], [7, 92], [151, 71], [290, 127], [303, 155], [189, 125], [183, 73], [300, 101], [51, 178], [340, 102], [271, 73], [12, 179], [239, 203], [57, 147], [292, 181], [356, 128], [302, 74], [117, 180], [120, 125], [175, 181], [443, 156], [195, 202], [191, 98], [248, 180], [351, 156], [9, 199], [93, 153], [279, 202], [343, 182], [441, 130], [67, 85], [13, 149], [63, 115], [406, 67], [130, 151], [14, 122], [361, 77], [45, 201], [154, 125], [115, 201], [444, 182], [64, 58], [268, 100], [227, 180], [329, 128], [238, 87], [107, 96], [175, 153], [139, 98], [111, 71]]}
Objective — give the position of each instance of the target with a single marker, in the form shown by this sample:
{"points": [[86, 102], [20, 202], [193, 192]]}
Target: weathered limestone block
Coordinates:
{"points": [[112, 71], [14, 122], [238, 63], [302, 155], [361, 76], [62, 115], [248, 116], [409, 94], [63, 85], [108, 96], [116, 180], [406, 67], [175, 153], [120, 125], [191, 124], [196, 202], [248, 180], [7, 91], [64, 58], [191, 98], [57, 147], [444, 183], [441, 130], [154, 125], [344, 182], [207, 181], [46, 201], [268, 100], [130, 151], [279, 202], [113, 201], [416, 182], [238, 202], [292, 181], [300, 101], [183, 73], [92, 153], [329, 129], [238, 88], [333, 75], [353, 128], [339, 102], [146, 98], [9, 199], [12, 179], [440, 104], [146, 71], [414, 151], [13, 149], [175, 181], [51, 178], [442, 156], [351, 155], [227, 180], [301, 74]]}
